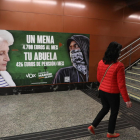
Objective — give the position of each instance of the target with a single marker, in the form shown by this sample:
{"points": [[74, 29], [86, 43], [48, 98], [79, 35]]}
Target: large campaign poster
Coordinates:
{"points": [[48, 57]]}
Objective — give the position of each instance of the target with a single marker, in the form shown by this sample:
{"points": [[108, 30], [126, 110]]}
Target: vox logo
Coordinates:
{"points": [[30, 75]]}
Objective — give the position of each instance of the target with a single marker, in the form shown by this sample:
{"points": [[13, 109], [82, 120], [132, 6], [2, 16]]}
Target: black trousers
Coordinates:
{"points": [[109, 101]]}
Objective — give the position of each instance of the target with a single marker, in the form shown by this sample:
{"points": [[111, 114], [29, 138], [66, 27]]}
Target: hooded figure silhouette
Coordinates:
{"points": [[78, 49]]}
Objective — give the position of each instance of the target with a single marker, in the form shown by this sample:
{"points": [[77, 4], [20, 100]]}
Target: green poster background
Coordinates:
{"points": [[28, 75]]}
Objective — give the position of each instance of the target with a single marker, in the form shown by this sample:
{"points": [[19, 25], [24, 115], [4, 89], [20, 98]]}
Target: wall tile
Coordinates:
{"points": [[94, 10], [92, 74], [30, 21], [43, 22], [13, 21], [130, 29], [92, 26], [95, 57], [33, 7], [100, 43]]}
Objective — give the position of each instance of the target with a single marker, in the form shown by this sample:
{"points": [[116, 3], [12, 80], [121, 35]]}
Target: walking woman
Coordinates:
{"points": [[113, 83]]}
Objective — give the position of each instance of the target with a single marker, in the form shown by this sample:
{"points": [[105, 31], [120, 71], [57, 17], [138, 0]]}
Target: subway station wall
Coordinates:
{"points": [[105, 21]]}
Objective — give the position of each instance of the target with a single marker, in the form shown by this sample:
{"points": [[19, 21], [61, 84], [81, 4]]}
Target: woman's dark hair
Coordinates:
{"points": [[112, 53]]}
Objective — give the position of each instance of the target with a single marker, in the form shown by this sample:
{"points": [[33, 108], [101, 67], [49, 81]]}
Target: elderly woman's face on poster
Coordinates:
{"points": [[4, 57]]}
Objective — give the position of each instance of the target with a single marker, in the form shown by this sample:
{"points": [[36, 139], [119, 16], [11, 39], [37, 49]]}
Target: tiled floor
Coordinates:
{"points": [[55, 111], [28, 113]]}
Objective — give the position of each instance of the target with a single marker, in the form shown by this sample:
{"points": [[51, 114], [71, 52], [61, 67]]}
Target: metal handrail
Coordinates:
{"points": [[130, 44], [132, 64], [130, 54], [131, 51]]}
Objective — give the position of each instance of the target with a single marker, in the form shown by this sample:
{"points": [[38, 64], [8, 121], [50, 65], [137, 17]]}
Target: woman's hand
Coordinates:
{"points": [[128, 104]]}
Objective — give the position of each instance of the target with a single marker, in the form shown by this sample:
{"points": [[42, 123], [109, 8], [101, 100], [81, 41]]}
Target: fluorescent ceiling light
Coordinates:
{"points": [[45, 2], [20, 0], [75, 5], [133, 16]]}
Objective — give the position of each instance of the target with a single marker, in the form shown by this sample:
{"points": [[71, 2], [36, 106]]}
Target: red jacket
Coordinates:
{"points": [[114, 80]]}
